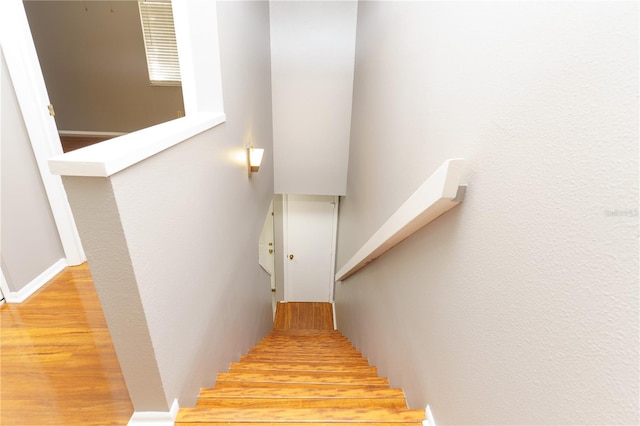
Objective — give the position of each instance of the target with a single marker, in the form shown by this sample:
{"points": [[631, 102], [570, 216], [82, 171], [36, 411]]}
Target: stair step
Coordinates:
{"points": [[318, 374], [308, 335], [360, 403], [276, 385], [277, 366], [270, 357], [301, 376], [301, 346], [302, 391], [328, 423], [197, 423], [311, 343], [307, 355], [264, 415], [348, 352], [346, 379], [307, 332]]}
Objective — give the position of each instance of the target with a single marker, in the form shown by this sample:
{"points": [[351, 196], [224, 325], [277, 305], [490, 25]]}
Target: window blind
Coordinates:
{"points": [[160, 42]]}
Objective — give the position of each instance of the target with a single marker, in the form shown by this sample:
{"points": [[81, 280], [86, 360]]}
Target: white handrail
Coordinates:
{"points": [[439, 193]]}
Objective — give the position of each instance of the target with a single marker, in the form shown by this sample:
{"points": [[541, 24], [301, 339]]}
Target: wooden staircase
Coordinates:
{"points": [[303, 372]]}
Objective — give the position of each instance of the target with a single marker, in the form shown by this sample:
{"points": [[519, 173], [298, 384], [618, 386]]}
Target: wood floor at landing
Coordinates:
{"points": [[57, 362]]}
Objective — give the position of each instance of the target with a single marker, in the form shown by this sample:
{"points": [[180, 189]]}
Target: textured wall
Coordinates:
{"points": [[29, 239], [95, 68], [312, 53], [521, 305], [172, 241]]}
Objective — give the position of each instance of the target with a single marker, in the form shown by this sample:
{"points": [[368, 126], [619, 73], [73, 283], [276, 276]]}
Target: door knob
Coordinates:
{"points": [[291, 257], [270, 251]]}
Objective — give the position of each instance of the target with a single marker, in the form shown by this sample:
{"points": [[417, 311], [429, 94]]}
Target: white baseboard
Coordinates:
{"points": [[89, 133], [35, 284], [335, 322], [429, 417], [155, 418]]}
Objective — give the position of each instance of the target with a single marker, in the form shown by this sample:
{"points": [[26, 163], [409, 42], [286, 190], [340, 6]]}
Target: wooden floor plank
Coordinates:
{"points": [[58, 365], [71, 143]]}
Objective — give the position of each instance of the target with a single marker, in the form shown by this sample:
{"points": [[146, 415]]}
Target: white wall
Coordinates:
{"points": [[520, 306], [172, 241], [198, 53], [29, 240], [95, 67], [312, 57]]}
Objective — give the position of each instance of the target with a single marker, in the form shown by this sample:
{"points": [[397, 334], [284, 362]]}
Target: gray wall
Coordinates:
{"points": [[172, 241], [312, 54], [29, 239], [94, 66], [520, 306]]}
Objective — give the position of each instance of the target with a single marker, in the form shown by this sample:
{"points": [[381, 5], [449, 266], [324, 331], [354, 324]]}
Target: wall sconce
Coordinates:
{"points": [[254, 159]]}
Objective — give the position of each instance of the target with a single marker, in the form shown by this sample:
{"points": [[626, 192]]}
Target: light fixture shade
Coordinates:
{"points": [[254, 157]]}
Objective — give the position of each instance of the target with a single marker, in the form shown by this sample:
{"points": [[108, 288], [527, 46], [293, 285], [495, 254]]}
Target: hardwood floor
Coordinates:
{"points": [[57, 362], [304, 316], [71, 143]]}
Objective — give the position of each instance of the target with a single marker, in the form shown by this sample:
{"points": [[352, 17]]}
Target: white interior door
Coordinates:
{"points": [[265, 245], [266, 252], [310, 237]]}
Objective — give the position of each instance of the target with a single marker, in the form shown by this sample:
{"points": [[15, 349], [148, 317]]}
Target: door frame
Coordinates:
{"points": [[285, 245], [4, 288], [26, 75]]}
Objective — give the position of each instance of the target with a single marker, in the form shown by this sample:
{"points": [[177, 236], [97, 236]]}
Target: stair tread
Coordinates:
{"points": [[304, 359], [306, 423], [301, 366], [311, 338], [306, 334], [306, 373], [306, 352], [302, 378], [299, 414], [288, 347], [276, 385], [301, 392], [266, 402]]}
